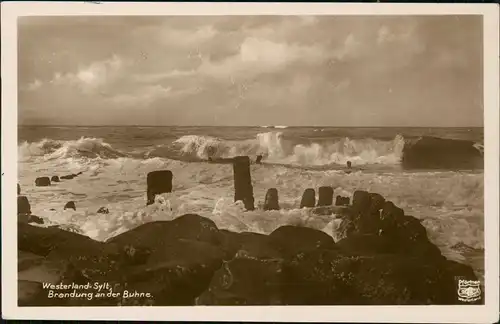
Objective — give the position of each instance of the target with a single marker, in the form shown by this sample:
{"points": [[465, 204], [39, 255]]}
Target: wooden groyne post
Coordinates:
{"points": [[243, 189], [158, 182]]}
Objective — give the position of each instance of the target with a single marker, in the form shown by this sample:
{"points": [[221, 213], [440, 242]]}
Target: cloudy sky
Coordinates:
{"points": [[251, 70]]}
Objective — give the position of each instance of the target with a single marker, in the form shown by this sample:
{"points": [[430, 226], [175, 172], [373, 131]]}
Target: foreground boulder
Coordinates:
{"points": [[335, 278], [63, 257], [372, 216], [42, 182], [182, 256], [27, 219], [189, 227], [68, 177], [290, 240], [54, 179], [189, 261]]}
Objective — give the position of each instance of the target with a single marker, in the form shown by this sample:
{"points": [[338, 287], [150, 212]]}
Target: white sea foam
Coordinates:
{"points": [[451, 204]]}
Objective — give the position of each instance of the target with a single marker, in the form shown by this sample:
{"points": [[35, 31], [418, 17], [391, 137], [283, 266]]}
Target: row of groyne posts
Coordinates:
{"points": [[159, 182]]}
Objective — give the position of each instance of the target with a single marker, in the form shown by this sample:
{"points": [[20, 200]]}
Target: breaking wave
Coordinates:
{"points": [[276, 149], [416, 153], [55, 149]]}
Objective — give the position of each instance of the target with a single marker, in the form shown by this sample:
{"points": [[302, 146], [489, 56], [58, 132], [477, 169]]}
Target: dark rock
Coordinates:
{"points": [[30, 293], [271, 202], [258, 160], [389, 217], [26, 260], [188, 261], [254, 275], [318, 277], [245, 281], [35, 219], [42, 182], [54, 179], [330, 277], [158, 182], [176, 259], [365, 218], [70, 204], [103, 210], [325, 196], [366, 244], [377, 202], [361, 201], [290, 240], [243, 189], [18, 189], [132, 255], [27, 219], [342, 201], [68, 257], [68, 177], [79, 173], [399, 233], [176, 273], [42, 241], [153, 234], [23, 205], [248, 244], [308, 198]]}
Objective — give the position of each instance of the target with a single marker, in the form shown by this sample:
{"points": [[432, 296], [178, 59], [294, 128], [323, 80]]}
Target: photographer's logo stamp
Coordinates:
{"points": [[469, 290]]}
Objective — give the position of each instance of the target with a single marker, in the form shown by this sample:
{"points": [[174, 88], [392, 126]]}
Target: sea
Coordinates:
{"points": [[115, 160]]}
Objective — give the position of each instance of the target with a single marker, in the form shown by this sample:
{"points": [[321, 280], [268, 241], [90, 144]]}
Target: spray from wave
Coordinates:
{"points": [[421, 153], [276, 149], [55, 149]]}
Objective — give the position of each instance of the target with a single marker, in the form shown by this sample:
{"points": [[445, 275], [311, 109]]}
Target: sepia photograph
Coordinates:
{"points": [[252, 160]]}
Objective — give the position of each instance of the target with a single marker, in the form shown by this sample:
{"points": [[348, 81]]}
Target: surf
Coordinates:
{"points": [[422, 153]]}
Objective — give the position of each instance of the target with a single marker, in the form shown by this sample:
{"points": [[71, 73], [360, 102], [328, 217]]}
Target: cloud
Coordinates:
{"points": [[185, 37], [158, 77], [350, 48], [34, 85], [258, 55], [146, 95], [305, 69], [386, 35], [92, 77]]}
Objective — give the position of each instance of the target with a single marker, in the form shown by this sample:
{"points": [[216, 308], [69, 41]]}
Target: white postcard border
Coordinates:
{"points": [[442, 314]]}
